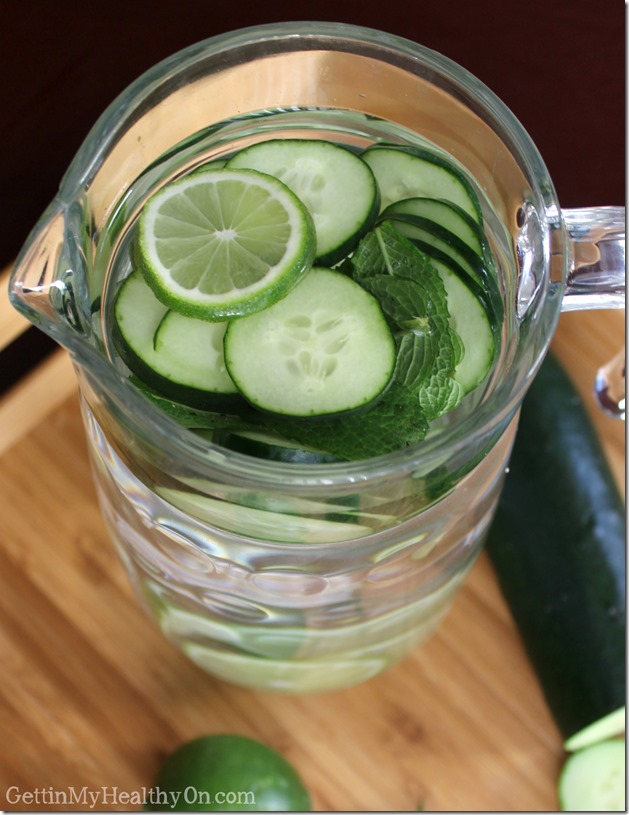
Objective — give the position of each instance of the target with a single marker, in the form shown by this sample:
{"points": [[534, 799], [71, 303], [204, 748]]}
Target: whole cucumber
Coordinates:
{"points": [[558, 548]]}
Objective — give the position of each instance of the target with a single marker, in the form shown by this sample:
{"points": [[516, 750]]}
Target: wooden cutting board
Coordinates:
{"points": [[92, 697]]}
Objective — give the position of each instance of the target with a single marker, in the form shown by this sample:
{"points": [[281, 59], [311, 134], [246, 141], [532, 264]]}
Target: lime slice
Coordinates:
{"points": [[224, 243]]}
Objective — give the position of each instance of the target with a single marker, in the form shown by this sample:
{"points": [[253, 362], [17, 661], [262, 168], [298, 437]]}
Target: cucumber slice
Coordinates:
{"points": [[593, 780], [190, 351], [448, 216], [324, 349], [426, 233], [343, 509], [338, 189], [471, 322], [179, 357], [260, 523], [403, 172]]}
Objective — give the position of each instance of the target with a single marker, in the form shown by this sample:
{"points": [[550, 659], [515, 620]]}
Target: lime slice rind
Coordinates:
{"points": [[224, 243]]}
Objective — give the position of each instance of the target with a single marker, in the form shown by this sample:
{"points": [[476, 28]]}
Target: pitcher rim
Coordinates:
{"points": [[496, 410]]}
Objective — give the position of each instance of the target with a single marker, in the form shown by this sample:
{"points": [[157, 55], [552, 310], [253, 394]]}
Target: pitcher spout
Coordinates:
{"points": [[45, 284]]}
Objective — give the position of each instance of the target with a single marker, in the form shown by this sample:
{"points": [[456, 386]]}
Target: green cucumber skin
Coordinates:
{"points": [[557, 545]]}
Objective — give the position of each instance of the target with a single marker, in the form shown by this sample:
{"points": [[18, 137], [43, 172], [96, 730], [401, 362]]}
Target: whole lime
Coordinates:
{"points": [[227, 773]]}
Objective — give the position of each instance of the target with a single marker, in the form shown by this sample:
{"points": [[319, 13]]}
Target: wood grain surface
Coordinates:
{"points": [[92, 697]]}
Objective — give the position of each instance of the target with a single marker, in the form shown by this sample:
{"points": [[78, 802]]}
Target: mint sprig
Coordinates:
{"points": [[413, 298]]}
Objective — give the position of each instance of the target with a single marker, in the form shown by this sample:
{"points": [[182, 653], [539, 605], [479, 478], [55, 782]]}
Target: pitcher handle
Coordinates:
{"points": [[597, 276], [597, 280]]}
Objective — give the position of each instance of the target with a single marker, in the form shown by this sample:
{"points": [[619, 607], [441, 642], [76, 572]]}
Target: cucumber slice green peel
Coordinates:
{"points": [[423, 229], [446, 215]]}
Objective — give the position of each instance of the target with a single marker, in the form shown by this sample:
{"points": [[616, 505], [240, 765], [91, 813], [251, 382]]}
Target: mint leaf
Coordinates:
{"points": [[415, 358], [385, 251], [393, 423], [405, 302], [439, 394], [412, 296]]}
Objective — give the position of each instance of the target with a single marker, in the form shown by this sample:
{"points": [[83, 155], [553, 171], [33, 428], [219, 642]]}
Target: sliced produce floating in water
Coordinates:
{"points": [[230, 261]]}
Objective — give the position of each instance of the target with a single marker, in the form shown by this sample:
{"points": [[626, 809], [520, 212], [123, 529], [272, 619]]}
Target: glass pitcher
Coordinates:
{"points": [[303, 577]]}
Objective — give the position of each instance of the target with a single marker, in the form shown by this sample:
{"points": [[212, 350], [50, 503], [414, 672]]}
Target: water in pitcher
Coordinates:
{"points": [[251, 582]]}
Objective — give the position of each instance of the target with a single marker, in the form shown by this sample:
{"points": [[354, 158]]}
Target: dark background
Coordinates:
{"points": [[558, 64]]}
